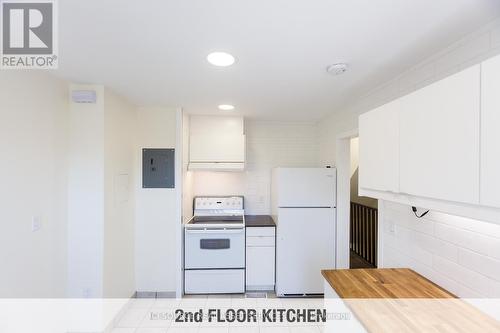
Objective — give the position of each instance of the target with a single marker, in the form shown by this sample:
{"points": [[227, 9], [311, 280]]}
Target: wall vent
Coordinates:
{"points": [[84, 96]]}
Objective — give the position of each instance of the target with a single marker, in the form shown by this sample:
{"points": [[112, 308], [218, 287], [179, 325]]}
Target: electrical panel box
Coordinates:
{"points": [[158, 168]]}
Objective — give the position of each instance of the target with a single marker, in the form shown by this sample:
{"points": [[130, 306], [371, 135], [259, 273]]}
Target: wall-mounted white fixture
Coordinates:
{"points": [[220, 59], [217, 143], [83, 96], [226, 107], [36, 223], [337, 69]]}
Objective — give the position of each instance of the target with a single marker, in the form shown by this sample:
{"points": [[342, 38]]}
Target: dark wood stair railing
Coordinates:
{"points": [[363, 232]]}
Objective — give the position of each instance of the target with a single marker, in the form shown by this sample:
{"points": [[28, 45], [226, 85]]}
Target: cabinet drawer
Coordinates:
{"points": [[260, 240], [260, 231], [217, 281]]}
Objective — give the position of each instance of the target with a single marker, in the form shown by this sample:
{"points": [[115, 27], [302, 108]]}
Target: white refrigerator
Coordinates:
{"points": [[304, 205]]}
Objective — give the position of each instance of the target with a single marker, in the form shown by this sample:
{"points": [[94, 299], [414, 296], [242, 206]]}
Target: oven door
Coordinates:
{"points": [[214, 248]]}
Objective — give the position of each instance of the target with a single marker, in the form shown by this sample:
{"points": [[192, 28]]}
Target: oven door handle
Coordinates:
{"points": [[218, 231]]}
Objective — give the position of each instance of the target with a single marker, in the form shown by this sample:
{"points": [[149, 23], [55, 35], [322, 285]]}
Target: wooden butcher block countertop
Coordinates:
{"points": [[383, 283], [401, 300]]}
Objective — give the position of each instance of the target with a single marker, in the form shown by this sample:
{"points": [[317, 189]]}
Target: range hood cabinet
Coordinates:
{"points": [[216, 143]]}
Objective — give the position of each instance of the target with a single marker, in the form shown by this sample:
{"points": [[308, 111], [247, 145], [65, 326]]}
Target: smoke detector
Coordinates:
{"points": [[337, 69]]}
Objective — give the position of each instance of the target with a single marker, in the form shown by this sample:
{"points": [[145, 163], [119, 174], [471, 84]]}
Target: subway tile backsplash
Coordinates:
{"points": [[460, 254]]}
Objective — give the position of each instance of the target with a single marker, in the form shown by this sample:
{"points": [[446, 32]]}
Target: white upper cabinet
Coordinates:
{"points": [[379, 148], [439, 139], [216, 143], [490, 132], [217, 148]]}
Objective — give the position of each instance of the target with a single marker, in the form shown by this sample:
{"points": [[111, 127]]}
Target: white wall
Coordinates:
{"points": [[119, 197], [459, 254], [86, 196], [156, 215], [269, 145], [187, 184], [33, 142], [72, 166], [100, 206], [354, 155], [470, 50]]}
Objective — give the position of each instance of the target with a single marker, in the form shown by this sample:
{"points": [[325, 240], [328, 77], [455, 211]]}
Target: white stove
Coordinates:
{"points": [[217, 212], [214, 247]]}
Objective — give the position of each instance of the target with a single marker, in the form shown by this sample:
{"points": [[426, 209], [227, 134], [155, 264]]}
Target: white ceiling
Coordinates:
{"points": [[153, 52]]}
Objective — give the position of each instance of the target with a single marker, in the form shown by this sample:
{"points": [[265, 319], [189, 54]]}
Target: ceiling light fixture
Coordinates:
{"points": [[337, 69], [220, 59], [226, 107]]}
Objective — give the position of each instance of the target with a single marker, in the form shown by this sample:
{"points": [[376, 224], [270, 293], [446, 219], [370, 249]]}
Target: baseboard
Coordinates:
{"points": [[165, 294], [145, 294], [155, 294], [260, 288]]}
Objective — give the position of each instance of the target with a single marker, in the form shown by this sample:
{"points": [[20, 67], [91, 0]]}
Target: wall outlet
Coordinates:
{"points": [[392, 227], [36, 223], [86, 292]]}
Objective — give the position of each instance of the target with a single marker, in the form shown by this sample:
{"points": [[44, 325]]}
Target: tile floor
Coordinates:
{"points": [[156, 315]]}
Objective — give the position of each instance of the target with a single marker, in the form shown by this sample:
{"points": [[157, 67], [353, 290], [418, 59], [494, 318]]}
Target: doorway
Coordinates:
{"points": [[357, 217], [363, 219]]}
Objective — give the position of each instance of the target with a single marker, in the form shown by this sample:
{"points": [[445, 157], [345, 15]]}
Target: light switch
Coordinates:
{"points": [[36, 223], [392, 227]]}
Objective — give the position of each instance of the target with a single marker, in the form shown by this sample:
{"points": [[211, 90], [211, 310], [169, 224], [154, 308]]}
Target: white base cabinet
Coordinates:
{"points": [[333, 303], [260, 258]]}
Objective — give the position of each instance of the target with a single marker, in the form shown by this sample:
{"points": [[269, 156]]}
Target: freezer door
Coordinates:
{"points": [[304, 187], [305, 246]]}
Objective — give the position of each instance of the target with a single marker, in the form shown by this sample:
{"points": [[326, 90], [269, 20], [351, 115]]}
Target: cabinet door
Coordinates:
{"points": [[379, 148], [217, 148], [260, 266], [439, 139], [490, 132]]}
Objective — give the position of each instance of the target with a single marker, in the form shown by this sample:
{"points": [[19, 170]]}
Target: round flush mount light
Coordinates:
{"points": [[226, 107], [337, 69], [220, 59]]}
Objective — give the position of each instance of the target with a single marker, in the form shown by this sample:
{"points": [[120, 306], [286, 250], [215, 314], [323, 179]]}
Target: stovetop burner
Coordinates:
{"points": [[217, 219]]}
